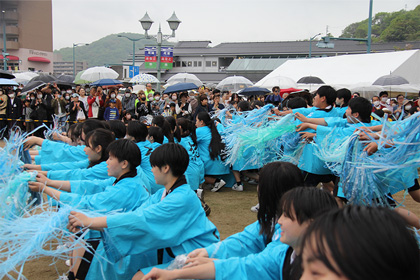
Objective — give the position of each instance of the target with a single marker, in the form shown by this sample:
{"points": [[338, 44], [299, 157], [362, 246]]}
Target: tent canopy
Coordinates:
{"points": [[353, 69]]}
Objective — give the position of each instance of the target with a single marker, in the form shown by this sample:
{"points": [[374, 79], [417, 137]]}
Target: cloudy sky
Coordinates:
{"points": [[85, 21]]}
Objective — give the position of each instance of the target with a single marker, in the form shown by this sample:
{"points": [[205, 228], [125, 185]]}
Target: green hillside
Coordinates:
{"points": [[388, 27], [108, 50]]}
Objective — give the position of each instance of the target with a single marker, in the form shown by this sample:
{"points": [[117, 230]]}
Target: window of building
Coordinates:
{"points": [[177, 63], [200, 64], [214, 63], [125, 72], [31, 69], [208, 63], [195, 63], [184, 64], [189, 63]]}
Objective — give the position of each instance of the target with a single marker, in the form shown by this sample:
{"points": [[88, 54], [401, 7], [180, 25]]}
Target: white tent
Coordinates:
{"points": [[353, 69]]}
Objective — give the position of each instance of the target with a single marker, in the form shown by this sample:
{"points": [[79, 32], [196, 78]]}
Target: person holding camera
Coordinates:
{"points": [[77, 109], [59, 106], [39, 113], [14, 109]]}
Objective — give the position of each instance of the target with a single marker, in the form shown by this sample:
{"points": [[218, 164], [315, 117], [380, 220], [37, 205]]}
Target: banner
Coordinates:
{"points": [[166, 57], [150, 57]]}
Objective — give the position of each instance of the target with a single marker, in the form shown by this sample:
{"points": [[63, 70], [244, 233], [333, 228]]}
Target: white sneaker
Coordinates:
{"points": [[218, 186], [255, 208], [253, 182], [200, 193], [238, 187]]}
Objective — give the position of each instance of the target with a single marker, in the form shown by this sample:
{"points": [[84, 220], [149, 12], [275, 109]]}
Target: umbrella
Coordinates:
{"points": [[276, 81], [144, 78], [180, 87], [33, 85], [24, 78], [80, 81], [390, 80], [97, 73], [106, 82], [254, 91], [310, 80], [65, 80], [6, 74], [44, 78], [7, 82], [184, 78], [234, 83]]}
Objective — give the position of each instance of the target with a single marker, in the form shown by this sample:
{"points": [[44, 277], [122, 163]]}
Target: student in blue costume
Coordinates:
{"points": [[359, 242], [243, 163], [172, 222], [97, 142], [297, 209], [342, 101], [52, 151], [188, 140], [160, 121], [138, 132], [313, 168], [126, 193], [210, 147]]}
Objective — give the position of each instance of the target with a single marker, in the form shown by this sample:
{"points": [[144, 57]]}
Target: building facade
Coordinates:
{"points": [[27, 26]]}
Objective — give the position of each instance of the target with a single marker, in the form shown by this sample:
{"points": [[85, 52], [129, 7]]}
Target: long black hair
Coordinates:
{"points": [[216, 145], [175, 132], [99, 137], [360, 242], [187, 128], [275, 179], [164, 125]]}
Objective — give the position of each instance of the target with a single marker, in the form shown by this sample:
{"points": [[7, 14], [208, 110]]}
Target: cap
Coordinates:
{"points": [[75, 95]]}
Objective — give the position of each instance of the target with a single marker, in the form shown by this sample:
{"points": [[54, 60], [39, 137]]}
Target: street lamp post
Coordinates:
{"points": [[74, 56], [146, 23], [310, 44], [4, 42], [134, 46]]}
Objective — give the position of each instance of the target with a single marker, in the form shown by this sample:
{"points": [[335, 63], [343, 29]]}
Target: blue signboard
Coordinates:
{"points": [[133, 71]]}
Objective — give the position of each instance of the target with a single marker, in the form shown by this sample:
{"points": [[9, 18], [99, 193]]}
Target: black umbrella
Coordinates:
{"points": [[310, 80], [65, 81], [44, 78], [6, 74], [180, 87], [32, 85], [254, 91], [390, 80]]}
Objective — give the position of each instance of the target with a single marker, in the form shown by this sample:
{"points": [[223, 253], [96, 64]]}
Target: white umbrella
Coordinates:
{"points": [[24, 77], [97, 73], [279, 81], [144, 78], [234, 84], [184, 78]]}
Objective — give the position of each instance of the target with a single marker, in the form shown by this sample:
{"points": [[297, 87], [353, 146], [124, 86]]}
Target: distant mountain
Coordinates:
{"points": [[108, 50]]}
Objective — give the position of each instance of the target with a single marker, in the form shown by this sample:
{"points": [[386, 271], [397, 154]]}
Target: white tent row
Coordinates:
{"points": [[357, 71]]}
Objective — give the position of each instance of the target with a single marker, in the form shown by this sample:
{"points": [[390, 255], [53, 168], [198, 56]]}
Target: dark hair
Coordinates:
{"points": [[257, 103], [156, 133], [77, 132], [202, 97], [172, 123], [362, 106], [118, 128], [187, 128], [183, 94], [173, 155], [138, 130], [124, 149], [379, 112], [274, 88], [329, 93], [70, 131], [306, 203], [92, 124], [346, 94], [295, 102], [399, 96], [244, 106], [156, 93], [365, 243], [216, 145], [275, 179], [99, 137], [413, 110], [383, 93], [164, 125]]}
